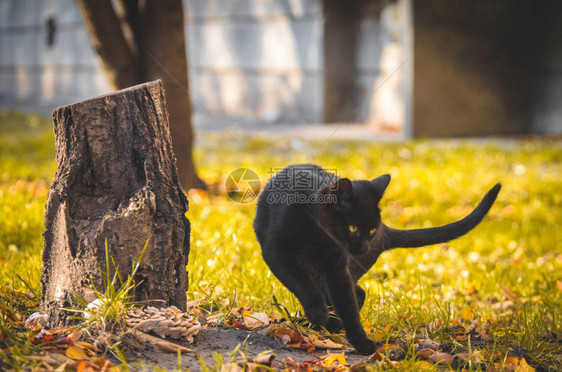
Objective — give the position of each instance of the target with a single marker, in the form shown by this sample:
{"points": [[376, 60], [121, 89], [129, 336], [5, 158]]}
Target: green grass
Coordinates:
{"points": [[519, 244]]}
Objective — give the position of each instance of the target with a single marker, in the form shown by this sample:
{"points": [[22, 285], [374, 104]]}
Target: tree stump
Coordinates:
{"points": [[116, 182]]}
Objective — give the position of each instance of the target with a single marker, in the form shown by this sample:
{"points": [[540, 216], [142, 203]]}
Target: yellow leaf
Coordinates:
{"points": [[378, 334], [330, 358], [423, 364], [515, 364], [524, 367], [74, 352], [466, 314]]}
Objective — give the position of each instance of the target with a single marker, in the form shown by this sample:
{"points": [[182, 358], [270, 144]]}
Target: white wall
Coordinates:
{"points": [[252, 62], [36, 77]]}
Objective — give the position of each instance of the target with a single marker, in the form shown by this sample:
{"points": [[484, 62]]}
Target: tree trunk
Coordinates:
{"points": [[116, 182], [108, 39], [147, 42], [341, 35], [164, 57]]}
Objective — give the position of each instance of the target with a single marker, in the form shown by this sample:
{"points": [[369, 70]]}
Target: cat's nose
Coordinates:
{"points": [[363, 248]]}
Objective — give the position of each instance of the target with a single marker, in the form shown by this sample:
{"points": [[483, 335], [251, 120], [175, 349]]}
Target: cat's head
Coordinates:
{"points": [[351, 214]]}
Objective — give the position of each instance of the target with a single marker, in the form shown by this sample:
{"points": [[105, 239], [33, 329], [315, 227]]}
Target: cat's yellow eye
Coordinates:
{"points": [[372, 231], [352, 228]]}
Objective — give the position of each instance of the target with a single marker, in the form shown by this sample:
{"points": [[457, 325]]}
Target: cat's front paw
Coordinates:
{"points": [[317, 315], [365, 347], [334, 324]]}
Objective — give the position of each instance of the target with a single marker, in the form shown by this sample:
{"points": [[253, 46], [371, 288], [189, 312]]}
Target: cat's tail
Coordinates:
{"points": [[442, 234]]}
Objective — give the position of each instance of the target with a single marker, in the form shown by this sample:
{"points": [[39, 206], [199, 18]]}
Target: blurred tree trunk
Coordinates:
{"points": [[140, 41], [341, 34]]}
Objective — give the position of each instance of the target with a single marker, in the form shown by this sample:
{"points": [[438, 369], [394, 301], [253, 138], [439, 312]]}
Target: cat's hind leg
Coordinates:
{"points": [[284, 265]]}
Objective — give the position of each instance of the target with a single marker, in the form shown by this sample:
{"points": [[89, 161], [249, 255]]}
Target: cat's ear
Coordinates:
{"points": [[343, 190], [380, 183]]}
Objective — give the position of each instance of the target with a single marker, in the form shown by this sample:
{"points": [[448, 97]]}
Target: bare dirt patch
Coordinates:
{"points": [[224, 340]]}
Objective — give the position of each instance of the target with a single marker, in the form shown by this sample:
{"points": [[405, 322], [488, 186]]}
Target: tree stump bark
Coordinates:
{"points": [[116, 182]]}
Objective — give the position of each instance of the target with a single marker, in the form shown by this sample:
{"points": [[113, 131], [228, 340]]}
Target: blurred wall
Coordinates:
{"points": [[252, 62], [38, 73], [487, 67]]}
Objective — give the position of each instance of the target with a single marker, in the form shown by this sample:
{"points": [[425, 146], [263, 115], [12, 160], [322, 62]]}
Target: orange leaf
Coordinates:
{"points": [[295, 336], [559, 284], [74, 352], [280, 331], [388, 347], [466, 314], [100, 361], [81, 366], [61, 330], [87, 345]]}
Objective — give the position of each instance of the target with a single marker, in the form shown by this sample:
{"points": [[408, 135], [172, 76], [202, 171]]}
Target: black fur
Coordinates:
{"points": [[311, 249]]}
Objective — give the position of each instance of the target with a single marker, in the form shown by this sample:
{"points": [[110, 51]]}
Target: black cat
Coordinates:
{"points": [[319, 234]]}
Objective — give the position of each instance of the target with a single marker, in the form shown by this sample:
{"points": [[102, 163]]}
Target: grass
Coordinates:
{"points": [[515, 254]]}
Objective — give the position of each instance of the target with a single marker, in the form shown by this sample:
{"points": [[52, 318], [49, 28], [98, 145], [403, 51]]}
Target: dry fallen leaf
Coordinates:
{"points": [[441, 358], [514, 364], [331, 358], [169, 347], [425, 353], [74, 352], [509, 293], [424, 343], [375, 357], [264, 359], [393, 351], [87, 345], [465, 357], [255, 320], [327, 344]]}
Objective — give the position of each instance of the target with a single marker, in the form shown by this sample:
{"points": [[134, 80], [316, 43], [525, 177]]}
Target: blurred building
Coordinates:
{"points": [[434, 68]]}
